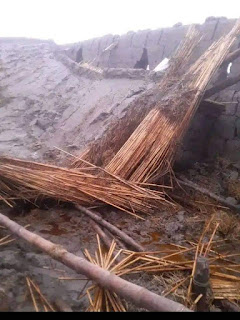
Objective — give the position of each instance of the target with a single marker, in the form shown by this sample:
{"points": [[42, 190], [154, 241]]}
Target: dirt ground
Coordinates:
{"points": [[62, 224]]}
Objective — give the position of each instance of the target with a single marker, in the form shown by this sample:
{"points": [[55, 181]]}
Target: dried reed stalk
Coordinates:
{"points": [[102, 299], [36, 294]]}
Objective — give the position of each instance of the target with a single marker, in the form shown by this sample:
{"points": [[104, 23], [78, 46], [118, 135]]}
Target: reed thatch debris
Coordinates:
{"points": [[147, 154], [101, 299], [182, 262], [177, 260], [219, 199], [89, 186]]}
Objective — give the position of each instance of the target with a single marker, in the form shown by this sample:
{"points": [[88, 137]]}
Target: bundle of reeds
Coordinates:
{"points": [[150, 150], [146, 155], [89, 186]]}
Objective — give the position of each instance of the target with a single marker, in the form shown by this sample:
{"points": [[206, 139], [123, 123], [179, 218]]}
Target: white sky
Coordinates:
{"points": [[67, 21]]}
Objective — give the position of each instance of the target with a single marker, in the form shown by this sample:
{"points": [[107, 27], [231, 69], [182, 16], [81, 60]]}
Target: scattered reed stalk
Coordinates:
{"points": [[34, 289], [102, 299]]}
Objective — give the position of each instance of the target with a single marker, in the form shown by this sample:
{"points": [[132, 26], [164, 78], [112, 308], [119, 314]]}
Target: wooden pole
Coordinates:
{"points": [[138, 295], [106, 240], [128, 240]]}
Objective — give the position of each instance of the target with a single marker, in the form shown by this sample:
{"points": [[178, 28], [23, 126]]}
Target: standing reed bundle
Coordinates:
{"points": [[149, 152]]}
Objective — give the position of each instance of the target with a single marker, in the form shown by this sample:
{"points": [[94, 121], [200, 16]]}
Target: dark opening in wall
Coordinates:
{"points": [[79, 56], [199, 143], [143, 62]]}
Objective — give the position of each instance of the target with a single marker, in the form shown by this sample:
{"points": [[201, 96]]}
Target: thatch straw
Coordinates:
{"points": [[91, 185], [36, 294], [102, 299]]}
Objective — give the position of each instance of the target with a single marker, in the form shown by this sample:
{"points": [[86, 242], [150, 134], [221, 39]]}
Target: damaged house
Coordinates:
{"points": [[119, 164]]}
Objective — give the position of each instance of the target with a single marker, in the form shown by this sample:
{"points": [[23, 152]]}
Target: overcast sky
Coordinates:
{"points": [[67, 21]]}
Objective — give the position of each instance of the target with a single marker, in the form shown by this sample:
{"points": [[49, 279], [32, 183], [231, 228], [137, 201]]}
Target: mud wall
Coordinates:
{"points": [[127, 50], [147, 48]]}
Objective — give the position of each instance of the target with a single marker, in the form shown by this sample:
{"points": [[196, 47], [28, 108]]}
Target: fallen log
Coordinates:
{"points": [[221, 86], [187, 183], [138, 295], [128, 240]]}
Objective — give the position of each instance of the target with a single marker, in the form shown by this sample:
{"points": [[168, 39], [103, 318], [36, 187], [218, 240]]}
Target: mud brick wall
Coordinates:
{"points": [[149, 47]]}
